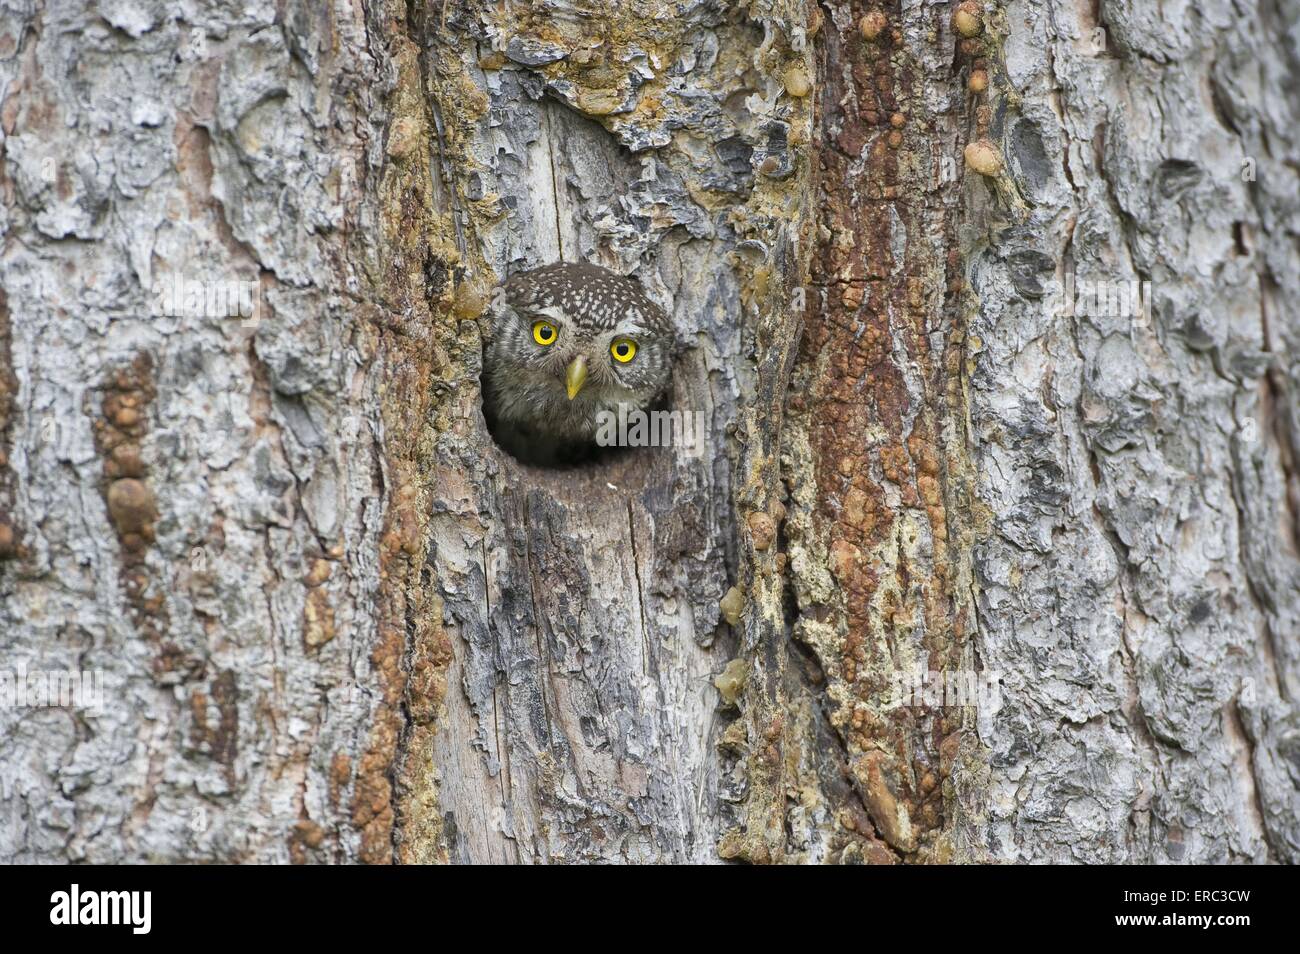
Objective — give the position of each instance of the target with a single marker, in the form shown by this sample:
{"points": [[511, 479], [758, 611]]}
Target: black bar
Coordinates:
{"points": [[224, 904]]}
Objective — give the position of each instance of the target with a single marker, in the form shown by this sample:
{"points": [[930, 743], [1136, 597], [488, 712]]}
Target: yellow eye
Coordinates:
{"points": [[623, 349], [544, 333]]}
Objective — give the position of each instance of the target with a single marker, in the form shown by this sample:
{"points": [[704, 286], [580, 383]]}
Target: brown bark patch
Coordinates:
{"points": [[120, 430], [875, 405], [218, 738], [10, 540]]}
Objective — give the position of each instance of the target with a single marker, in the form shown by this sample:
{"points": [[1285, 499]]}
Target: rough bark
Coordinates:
{"points": [[337, 623], [196, 501]]}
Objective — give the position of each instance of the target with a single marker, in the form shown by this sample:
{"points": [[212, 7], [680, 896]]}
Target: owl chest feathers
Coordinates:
{"points": [[537, 402]]}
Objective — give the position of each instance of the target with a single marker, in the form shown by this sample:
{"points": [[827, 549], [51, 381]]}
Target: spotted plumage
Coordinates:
{"points": [[567, 342]]}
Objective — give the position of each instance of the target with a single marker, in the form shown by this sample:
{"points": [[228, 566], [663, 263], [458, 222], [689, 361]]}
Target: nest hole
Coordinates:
{"points": [[584, 466]]}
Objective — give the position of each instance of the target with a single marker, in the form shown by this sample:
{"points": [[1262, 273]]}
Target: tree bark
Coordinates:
{"points": [[336, 623]]}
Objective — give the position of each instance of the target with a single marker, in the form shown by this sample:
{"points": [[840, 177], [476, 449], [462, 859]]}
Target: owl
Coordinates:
{"points": [[569, 341]]}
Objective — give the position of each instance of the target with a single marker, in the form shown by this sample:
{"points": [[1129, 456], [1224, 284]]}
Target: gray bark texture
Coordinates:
{"points": [[335, 623]]}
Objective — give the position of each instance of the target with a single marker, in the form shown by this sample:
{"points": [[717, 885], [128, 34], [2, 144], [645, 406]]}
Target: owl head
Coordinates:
{"points": [[571, 340]]}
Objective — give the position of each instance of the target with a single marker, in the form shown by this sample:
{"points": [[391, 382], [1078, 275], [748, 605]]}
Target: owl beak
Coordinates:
{"points": [[575, 376]]}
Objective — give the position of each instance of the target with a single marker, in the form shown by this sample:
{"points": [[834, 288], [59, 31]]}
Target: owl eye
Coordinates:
{"points": [[623, 349], [544, 333]]}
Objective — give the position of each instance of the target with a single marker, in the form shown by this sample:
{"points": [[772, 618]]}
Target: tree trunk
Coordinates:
{"points": [[245, 477]]}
